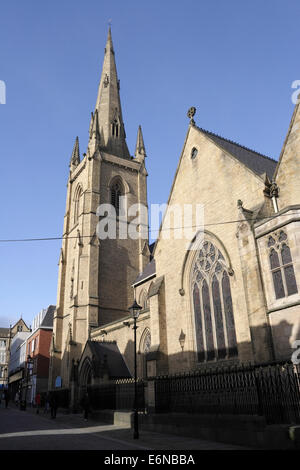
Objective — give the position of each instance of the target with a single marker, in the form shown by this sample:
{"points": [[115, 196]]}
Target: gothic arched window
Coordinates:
{"points": [[143, 300], [212, 303], [78, 194], [115, 193], [281, 265], [144, 349]]}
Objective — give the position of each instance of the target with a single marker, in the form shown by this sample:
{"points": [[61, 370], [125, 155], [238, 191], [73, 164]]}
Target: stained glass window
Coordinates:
{"points": [[278, 284], [198, 322], [210, 351], [218, 318], [281, 265], [212, 304]]}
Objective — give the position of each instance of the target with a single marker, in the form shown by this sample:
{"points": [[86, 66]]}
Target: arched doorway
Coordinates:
{"points": [[85, 376]]}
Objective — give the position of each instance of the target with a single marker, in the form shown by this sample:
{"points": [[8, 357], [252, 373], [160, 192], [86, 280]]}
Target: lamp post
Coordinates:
{"points": [[135, 312]]}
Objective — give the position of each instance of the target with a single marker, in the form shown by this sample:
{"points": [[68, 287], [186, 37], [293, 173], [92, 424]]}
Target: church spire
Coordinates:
{"points": [[75, 157], [140, 151], [108, 105]]}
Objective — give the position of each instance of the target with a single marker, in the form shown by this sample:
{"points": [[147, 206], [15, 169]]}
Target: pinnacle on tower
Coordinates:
{"points": [[140, 151], [75, 157], [108, 105]]}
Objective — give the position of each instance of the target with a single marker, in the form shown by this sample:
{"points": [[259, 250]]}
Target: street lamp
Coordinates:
{"points": [[135, 312]]}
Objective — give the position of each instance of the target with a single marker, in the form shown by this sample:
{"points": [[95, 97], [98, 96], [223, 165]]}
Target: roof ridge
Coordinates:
{"points": [[236, 143]]}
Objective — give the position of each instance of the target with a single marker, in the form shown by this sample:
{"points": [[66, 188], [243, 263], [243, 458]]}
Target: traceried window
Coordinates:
{"points": [[212, 303], [281, 265], [115, 194]]}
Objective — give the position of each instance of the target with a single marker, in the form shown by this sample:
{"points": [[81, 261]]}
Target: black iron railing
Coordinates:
{"points": [[272, 391], [117, 395]]}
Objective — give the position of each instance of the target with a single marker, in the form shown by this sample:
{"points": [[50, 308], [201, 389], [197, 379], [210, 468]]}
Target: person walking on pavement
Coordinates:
{"points": [[53, 405], [17, 398], [85, 403], [38, 402]]}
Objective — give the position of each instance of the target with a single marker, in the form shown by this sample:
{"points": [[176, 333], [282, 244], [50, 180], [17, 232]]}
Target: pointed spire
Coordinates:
{"points": [[75, 157], [108, 105], [109, 44], [140, 151]]}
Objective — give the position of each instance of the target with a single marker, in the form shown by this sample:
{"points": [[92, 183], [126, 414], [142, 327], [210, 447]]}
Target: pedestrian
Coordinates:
{"points": [[85, 403], [53, 405], [17, 398], [38, 402]]}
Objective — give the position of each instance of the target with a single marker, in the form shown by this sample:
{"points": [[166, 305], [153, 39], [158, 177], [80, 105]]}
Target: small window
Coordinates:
{"points": [[115, 128], [194, 153], [116, 193]]}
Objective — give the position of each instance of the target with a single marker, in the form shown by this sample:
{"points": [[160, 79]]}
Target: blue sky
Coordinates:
{"points": [[234, 61]]}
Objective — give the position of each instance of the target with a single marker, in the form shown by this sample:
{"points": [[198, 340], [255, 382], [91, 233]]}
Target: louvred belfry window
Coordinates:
{"points": [[212, 304], [281, 265], [116, 193]]}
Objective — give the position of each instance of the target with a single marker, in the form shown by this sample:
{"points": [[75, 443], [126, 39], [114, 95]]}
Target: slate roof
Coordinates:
{"points": [[48, 318], [255, 161], [149, 270], [117, 368], [4, 332]]}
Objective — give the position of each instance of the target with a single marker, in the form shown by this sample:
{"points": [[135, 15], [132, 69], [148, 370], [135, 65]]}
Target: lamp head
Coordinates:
{"points": [[135, 310]]}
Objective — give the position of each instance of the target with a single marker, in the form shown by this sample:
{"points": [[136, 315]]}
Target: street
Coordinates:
{"points": [[26, 430]]}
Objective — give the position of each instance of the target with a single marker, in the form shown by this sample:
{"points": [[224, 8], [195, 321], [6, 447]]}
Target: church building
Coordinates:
{"points": [[228, 297]]}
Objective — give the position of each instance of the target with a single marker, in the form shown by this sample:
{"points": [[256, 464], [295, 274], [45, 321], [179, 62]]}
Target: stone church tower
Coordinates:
{"points": [[96, 275]]}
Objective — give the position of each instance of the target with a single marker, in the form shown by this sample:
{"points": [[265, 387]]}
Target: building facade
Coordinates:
{"points": [[17, 371], [4, 354], [6, 335], [226, 294], [38, 348]]}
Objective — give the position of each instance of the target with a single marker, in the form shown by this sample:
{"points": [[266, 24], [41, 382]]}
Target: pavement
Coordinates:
{"points": [[27, 430]]}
